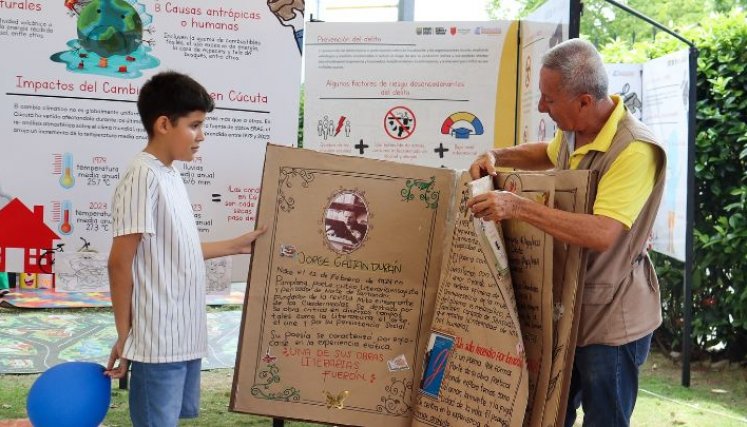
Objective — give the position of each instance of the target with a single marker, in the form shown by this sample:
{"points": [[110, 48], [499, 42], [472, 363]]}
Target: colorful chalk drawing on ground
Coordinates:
{"points": [[32, 342]]}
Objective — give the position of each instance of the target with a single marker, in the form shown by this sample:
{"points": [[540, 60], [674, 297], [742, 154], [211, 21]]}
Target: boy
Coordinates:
{"points": [[156, 264]]}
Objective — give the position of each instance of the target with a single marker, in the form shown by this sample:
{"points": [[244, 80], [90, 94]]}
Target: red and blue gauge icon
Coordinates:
{"points": [[462, 125]]}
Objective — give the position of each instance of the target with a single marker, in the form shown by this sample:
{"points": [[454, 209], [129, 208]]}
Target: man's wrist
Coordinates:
{"points": [[521, 207], [495, 155]]}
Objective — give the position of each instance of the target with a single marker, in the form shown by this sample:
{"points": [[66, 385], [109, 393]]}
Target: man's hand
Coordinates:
{"points": [[496, 205], [596, 232], [483, 165], [528, 156], [115, 358]]}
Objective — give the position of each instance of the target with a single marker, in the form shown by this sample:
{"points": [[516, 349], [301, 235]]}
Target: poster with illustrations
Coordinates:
{"points": [[666, 91], [540, 31], [71, 125], [658, 93], [426, 93]]}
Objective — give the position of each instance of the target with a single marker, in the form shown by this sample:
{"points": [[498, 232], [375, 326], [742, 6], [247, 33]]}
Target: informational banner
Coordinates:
{"points": [[666, 98], [540, 31], [70, 80], [658, 93], [434, 94]]}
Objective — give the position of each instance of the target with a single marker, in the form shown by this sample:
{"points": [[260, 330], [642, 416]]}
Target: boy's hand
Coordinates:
{"points": [[244, 242], [116, 356]]}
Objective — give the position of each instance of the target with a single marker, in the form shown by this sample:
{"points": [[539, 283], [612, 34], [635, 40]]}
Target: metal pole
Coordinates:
{"points": [[574, 21], [689, 221]]}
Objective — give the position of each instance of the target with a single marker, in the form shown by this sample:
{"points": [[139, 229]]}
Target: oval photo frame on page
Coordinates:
{"points": [[346, 221]]}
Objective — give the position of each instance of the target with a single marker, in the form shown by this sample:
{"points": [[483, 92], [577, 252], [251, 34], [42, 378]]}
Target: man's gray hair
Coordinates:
{"points": [[580, 67]]}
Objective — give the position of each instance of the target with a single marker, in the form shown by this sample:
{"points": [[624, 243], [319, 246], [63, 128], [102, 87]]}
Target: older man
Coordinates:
{"points": [[620, 303]]}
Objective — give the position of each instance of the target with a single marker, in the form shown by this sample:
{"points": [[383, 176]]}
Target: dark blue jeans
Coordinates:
{"points": [[605, 382]]}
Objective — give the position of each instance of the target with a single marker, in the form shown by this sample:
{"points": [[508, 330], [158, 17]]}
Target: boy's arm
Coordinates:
{"points": [[120, 283], [238, 245]]}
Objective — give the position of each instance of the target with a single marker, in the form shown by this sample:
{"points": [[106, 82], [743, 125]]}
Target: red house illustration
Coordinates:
{"points": [[24, 230]]}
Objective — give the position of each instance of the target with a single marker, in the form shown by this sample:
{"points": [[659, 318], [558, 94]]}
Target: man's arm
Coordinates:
{"points": [[529, 156], [596, 232], [238, 245], [120, 283]]}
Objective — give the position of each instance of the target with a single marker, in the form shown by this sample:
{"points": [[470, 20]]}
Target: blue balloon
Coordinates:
{"points": [[71, 394]]}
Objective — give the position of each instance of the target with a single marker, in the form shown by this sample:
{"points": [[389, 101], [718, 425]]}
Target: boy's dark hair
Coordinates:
{"points": [[173, 95]]}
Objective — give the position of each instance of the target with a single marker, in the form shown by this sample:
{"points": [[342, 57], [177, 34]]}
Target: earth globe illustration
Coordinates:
{"points": [[110, 27]]}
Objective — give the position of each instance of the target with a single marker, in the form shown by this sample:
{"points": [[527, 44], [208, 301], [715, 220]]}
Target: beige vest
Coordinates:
{"points": [[621, 301]]}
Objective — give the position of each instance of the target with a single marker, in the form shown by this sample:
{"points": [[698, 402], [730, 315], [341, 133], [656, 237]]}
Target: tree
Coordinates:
{"points": [[602, 22], [501, 9]]}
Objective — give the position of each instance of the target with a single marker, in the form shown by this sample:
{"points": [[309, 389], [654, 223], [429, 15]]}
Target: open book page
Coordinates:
{"points": [[490, 229], [341, 288], [475, 371], [530, 257], [574, 192]]}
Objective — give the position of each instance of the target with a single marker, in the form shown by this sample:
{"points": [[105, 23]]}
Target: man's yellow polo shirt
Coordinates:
{"points": [[624, 189]]}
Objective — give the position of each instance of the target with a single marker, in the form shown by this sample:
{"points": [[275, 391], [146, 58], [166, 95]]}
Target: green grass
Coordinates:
{"points": [[216, 386], [715, 398]]}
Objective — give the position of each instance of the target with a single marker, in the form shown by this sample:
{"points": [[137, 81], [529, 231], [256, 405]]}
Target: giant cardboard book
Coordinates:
{"points": [[376, 299]]}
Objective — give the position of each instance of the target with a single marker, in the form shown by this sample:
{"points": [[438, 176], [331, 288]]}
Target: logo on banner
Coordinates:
{"points": [[488, 31]]}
